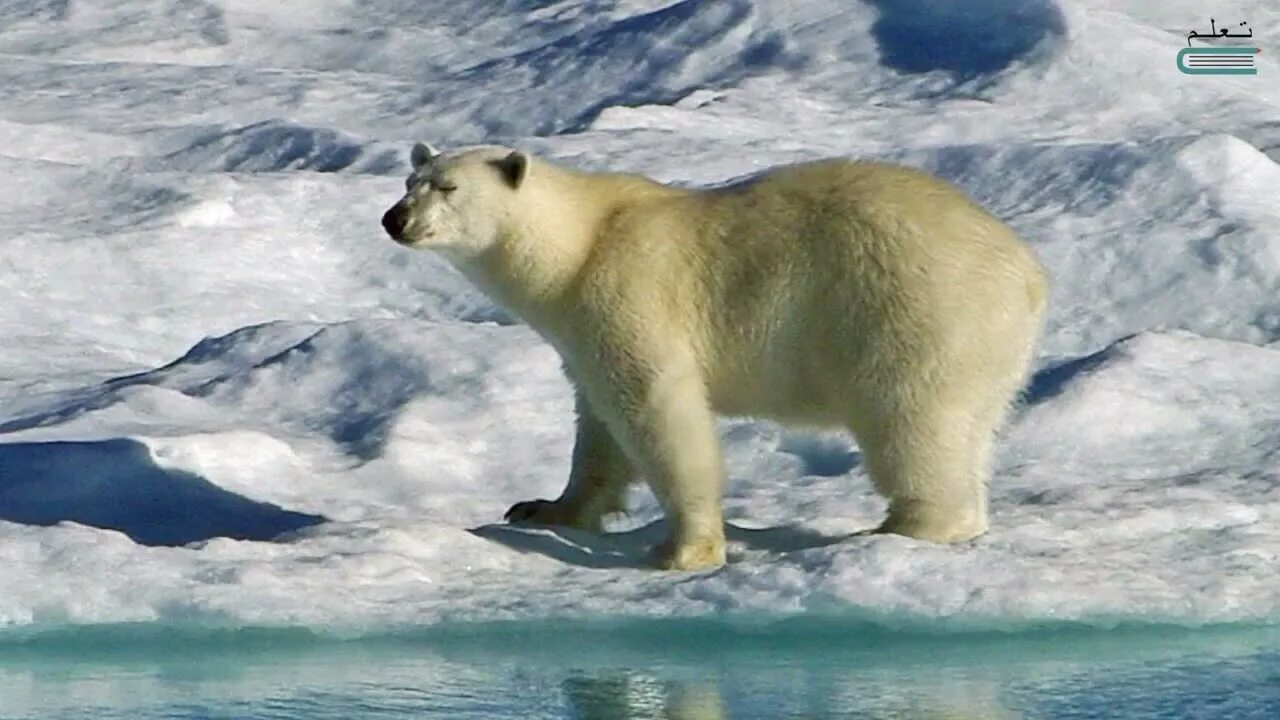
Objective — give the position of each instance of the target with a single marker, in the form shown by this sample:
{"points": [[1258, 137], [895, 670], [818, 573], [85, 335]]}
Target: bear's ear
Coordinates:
{"points": [[513, 168], [422, 154]]}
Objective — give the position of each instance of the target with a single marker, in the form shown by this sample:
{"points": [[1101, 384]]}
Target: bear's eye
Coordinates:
{"points": [[446, 187]]}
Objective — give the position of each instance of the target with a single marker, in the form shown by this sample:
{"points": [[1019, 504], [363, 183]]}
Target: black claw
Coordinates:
{"points": [[522, 511]]}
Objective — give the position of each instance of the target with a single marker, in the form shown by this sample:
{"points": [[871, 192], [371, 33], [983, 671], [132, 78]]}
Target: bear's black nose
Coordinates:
{"points": [[394, 220]]}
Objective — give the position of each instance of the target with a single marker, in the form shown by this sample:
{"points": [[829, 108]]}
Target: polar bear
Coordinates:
{"points": [[829, 294]]}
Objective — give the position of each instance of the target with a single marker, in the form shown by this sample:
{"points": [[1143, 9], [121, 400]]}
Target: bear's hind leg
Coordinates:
{"points": [[930, 463], [598, 480], [987, 420]]}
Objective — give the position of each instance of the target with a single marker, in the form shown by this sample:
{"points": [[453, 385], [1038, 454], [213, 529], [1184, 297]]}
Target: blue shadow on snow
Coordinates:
{"points": [[1051, 381], [629, 548], [115, 485], [968, 39]]}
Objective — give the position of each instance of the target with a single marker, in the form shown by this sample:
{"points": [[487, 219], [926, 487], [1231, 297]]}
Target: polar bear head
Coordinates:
{"points": [[455, 203]]}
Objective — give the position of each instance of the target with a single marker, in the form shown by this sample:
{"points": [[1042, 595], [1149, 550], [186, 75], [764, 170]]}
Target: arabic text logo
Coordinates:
{"points": [[1231, 60]]}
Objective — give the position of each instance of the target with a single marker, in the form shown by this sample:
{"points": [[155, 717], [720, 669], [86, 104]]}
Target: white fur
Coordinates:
{"points": [[849, 294]]}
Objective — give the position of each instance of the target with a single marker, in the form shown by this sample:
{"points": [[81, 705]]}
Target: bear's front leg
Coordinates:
{"points": [[598, 480], [661, 416]]}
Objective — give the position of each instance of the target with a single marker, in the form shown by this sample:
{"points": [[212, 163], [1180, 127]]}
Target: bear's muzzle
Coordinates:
{"points": [[394, 220]]}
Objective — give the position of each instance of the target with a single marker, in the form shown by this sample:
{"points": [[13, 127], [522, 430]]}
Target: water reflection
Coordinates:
{"points": [[637, 696], [660, 670], [629, 696]]}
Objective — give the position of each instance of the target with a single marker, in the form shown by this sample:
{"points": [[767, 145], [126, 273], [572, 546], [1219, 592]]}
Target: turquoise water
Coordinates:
{"points": [[680, 670]]}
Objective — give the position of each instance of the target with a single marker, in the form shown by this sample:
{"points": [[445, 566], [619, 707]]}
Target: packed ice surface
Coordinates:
{"points": [[225, 396]]}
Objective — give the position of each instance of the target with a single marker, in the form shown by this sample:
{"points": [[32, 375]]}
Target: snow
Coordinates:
{"points": [[226, 397]]}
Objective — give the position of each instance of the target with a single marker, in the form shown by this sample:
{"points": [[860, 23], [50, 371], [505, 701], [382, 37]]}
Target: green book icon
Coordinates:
{"points": [[1218, 60]]}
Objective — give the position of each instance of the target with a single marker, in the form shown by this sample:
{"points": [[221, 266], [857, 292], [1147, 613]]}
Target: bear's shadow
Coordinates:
{"points": [[629, 549]]}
